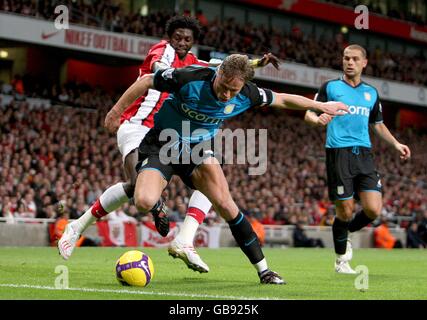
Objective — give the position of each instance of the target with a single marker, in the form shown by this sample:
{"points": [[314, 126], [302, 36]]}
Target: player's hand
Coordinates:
{"points": [[269, 58], [324, 119], [334, 108], [405, 152], [112, 121]]}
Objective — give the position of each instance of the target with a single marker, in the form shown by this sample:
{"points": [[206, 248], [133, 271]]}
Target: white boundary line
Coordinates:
{"points": [[132, 292]]}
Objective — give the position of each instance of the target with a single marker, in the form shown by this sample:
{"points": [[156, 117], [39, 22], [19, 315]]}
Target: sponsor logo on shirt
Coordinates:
{"points": [[363, 111], [201, 117]]}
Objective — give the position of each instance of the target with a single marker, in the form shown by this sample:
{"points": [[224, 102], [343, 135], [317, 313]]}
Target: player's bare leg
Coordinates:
{"points": [[110, 200], [210, 180], [372, 203], [182, 246], [148, 190], [342, 244]]}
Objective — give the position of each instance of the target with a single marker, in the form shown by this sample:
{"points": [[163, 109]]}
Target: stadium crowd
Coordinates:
{"points": [[64, 154], [230, 36], [374, 6]]}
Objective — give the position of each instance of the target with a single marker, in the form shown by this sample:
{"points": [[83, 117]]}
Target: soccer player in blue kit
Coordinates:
{"points": [[201, 99], [349, 160]]}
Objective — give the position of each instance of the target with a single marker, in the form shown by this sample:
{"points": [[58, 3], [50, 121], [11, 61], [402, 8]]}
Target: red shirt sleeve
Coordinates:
{"points": [[200, 62], [156, 55]]}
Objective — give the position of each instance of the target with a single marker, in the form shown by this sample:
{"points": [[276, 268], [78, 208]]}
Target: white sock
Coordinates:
{"points": [[190, 225], [82, 223], [187, 231], [110, 200], [113, 197], [200, 201], [340, 257], [261, 266]]}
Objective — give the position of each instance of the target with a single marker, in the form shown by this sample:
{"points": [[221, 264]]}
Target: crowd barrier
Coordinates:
{"points": [[34, 232]]}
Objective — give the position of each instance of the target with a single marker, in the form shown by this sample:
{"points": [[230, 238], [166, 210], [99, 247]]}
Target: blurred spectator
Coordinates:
{"points": [[257, 226], [7, 212], [422, 227], [374, 6], [414, 239], [57, 228], [202, 18], [6, 88], [328, 218], [18, 85], [302, 240], [383, 237]]}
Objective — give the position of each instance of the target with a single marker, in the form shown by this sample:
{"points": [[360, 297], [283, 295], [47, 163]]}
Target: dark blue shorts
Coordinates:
{"points": [[351, 171]]}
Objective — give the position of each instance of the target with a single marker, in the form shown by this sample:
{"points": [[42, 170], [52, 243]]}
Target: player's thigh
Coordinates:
{"points": [[129, 137], [153, 175], [210, 180], [150, 184], [344, 209], [369, 186], [130, 163]]}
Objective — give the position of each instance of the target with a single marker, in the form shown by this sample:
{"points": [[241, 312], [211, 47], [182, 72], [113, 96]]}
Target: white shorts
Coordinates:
{"points": [[129, 137]]}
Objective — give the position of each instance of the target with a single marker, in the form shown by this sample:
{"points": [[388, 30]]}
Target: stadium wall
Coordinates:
{"points": [[32, 234]]}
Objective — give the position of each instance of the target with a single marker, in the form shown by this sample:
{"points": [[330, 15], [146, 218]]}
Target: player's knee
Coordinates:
{"points": [[226, 207], [145, 202], [373, 212], [345, 212]]}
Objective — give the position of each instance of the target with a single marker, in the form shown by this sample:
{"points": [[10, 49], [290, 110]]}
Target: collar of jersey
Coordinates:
{"points": [[343, 80]]}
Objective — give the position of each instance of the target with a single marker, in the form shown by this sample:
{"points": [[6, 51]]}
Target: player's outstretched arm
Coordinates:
{"points": [[138, 88], [255, 63], [318, 120], [296, 102], [382, 131]]}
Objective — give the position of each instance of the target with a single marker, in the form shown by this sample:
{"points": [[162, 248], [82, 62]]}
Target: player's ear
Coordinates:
{"points": [[365, 63]]}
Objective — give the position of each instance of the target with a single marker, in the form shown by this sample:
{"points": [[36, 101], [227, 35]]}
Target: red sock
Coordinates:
{"points": [[196, 213], [97, 210]]}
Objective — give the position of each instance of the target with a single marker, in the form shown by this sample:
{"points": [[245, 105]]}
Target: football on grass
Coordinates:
{"points": [[134, 268]]}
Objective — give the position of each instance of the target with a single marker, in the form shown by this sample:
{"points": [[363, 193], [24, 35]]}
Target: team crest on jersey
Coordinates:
{"points": [[367, 96], [229, 109], [340, 189]]}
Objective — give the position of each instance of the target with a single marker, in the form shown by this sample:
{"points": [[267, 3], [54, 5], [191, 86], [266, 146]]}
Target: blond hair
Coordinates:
{"points": [[237, 65], [357, 47]]}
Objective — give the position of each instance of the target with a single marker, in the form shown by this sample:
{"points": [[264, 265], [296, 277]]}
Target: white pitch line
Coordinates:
{"points": [[124, 291]]}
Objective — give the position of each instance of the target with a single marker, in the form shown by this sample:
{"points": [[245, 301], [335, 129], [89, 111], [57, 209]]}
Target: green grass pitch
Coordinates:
{"points": [[29, 273]]}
